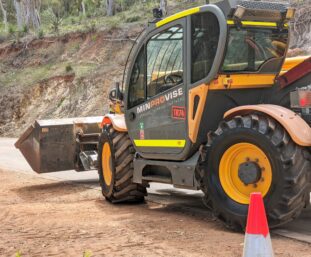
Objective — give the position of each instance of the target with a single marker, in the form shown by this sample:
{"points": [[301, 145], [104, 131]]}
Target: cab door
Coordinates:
{"points": [[156, 95]]}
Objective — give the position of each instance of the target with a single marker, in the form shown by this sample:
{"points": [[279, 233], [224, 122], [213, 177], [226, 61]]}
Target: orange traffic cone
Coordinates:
{"points": [[257, 237]]}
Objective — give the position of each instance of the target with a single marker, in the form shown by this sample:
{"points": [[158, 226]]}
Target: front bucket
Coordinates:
{"points": [[50, 145]]}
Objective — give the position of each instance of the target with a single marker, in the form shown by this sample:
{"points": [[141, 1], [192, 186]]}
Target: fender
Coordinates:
{"points": [[117, 121], [297, 128]]}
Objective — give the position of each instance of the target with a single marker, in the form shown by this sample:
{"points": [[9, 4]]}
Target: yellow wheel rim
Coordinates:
{"points": [[229, 166], [107, 164]]}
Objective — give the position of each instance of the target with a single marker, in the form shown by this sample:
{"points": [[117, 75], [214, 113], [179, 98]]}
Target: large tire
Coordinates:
{"points": [[118, 185], [289, 190]]}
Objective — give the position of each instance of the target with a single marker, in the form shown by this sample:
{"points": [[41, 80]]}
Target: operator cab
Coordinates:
{"points": [[202, 46]]}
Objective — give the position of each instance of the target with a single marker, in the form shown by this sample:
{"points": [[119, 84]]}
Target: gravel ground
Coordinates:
{"points": [[40, 217]]}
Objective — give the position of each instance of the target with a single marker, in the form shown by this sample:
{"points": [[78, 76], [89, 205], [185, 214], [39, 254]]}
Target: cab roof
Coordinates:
{"points": [[252, 11]]}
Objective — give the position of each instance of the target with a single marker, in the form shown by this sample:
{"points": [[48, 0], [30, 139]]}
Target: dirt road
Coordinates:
{"points": [[41, 217]]}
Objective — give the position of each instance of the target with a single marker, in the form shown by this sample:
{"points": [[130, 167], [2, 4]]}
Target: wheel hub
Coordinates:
{"points": [[107, 164], [249, 172], [244, 168]]}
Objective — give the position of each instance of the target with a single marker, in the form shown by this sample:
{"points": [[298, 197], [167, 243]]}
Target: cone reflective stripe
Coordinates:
{"points": [[257, 237], [257, 246]]}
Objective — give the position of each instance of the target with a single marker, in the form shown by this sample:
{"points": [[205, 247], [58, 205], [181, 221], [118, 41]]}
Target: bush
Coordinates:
{"points": [[133, 18], [40, 34], [25, 28], [87, 254], [69, 68], [114, 22], [90, 26], [94, 37], [50, 18], [11, 29]]}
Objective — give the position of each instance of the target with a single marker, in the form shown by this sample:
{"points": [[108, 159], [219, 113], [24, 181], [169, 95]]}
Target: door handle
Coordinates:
{"points": [[132, 116]]}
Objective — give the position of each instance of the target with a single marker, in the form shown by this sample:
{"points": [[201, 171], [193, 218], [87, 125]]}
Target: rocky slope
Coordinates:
{"points": [[57, 77]]}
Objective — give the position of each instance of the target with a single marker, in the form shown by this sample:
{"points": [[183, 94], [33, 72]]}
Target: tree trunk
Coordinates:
{"points": [[19, 15], [33, 17], [83, 8], [28, 13], [110, 6], [5, 17], [163, 7]]}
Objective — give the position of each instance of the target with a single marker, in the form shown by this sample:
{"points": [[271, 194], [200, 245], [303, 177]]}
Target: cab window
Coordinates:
{"points": [[250, 48], [204, 43], [137, 88], [164, 61]]}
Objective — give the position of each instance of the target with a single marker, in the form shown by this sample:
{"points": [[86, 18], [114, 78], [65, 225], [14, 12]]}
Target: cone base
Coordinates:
{"points": [[257, 246]]}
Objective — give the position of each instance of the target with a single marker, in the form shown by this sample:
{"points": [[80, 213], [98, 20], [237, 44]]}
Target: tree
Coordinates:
{"points": [[28, 13], [163, 7], [301, 26], [110, 6], [19, 15], [5, 17], [83, 8]]}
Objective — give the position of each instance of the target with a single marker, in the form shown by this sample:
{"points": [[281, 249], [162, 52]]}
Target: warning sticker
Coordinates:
{"points": [[178, 112], [141, 131]]}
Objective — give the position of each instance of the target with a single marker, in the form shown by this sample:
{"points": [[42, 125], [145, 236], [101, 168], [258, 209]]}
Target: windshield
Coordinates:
{"points": [[250, 48]]}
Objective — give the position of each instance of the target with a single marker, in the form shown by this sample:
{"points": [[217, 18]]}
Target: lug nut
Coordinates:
{"points": [[255, 185], [256, 160], [248, 159], [262, 179], [263, 169]]}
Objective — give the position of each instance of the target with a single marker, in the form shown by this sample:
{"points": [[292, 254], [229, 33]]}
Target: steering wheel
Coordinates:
{"points": [[257, 47], [174, 79]]}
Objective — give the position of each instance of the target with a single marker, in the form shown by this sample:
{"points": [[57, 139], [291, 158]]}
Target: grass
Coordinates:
{"points": [[87, 254], [61, 102], [31, 75], [24, 77], [137, 13]]}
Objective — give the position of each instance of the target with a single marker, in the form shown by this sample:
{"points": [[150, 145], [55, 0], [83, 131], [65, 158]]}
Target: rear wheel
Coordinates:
{"points": [[254, 153], [115, 168]]}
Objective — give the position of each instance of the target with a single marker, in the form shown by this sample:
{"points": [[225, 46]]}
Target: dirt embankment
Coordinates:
{"points": [[58, 77]]}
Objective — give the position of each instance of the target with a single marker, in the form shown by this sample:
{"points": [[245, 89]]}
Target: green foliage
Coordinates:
{"points": [[32, 75], [65, 16], [61, 102], [133, 19], [87, 254], [18, 254], [12, 29], [41, 34], [90, 26], [52, 19], [94, 37], [25, 29], [114, 23], [69, 68]]}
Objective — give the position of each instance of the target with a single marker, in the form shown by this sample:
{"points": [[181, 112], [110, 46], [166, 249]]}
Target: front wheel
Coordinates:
{"points": [[115, 167], [254, 153]]}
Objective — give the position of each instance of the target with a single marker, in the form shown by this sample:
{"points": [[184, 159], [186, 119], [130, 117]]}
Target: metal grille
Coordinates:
{"points": [[263, 5]]}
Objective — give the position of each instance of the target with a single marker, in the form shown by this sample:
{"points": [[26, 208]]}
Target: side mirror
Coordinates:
{"points": [[115, 94], [157, 13]]}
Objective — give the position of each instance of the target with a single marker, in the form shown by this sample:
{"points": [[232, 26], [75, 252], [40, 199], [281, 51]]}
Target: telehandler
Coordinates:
{"points": [[210, 103]]}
